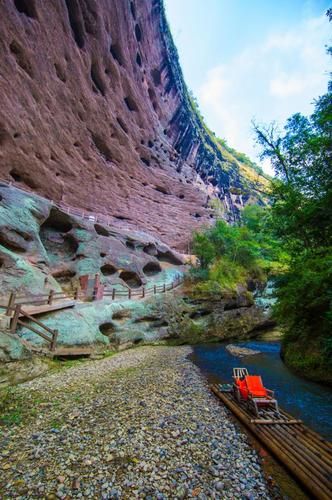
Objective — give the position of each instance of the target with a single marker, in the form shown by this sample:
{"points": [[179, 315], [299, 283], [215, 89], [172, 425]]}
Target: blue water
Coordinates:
{"points": [[306, 400]]}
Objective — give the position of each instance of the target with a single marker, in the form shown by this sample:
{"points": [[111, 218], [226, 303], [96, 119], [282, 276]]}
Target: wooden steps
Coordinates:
{"points": [[73, 352], [306, 454]]}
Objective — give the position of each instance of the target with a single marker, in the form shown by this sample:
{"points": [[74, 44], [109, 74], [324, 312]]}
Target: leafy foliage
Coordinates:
{"points": [[230, 255], [301, 217]]}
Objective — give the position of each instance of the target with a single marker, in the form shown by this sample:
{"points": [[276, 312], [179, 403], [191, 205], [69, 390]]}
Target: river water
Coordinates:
{"points": [[306, 400]]}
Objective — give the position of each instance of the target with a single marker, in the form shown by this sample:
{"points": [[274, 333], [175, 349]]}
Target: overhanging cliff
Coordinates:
{"points": [[94, 112]]}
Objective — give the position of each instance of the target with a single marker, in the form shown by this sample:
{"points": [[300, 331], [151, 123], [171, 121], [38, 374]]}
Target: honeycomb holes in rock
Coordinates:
{"points": [[151, 269], [107, 328], [64, 276], [108, 270], [116, 52], [26, 7], [131, 279], [130, 103], [169, 258], [150, 249], [101, 230], [58, 221], [21, 57], [76, 22]]}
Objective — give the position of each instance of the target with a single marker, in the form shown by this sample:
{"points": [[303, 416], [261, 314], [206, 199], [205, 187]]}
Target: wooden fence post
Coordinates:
{"points": [[113, 294], [54, 340], [11, 304], [129, 293], [76, 294], [154, 289], [143, 292], [17, 313], [164, 289], [50, 297]]}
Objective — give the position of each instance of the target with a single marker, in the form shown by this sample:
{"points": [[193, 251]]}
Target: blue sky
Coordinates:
{"points": [[251, 59]]}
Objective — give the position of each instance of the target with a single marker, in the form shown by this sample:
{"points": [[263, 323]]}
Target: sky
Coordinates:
{"points": [[247, 60]]}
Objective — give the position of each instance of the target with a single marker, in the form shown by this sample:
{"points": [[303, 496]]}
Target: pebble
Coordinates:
{"points": [[140, 425]]}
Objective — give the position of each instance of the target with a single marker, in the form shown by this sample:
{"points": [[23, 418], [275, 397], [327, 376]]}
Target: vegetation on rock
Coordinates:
{"points": [[232, 255]]}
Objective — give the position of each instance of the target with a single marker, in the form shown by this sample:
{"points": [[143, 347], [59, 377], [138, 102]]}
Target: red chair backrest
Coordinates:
{"points": [[241, 384], [255, 386]]}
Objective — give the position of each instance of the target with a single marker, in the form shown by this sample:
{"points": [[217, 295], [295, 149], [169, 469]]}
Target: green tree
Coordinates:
{"points": [[301, 217]]}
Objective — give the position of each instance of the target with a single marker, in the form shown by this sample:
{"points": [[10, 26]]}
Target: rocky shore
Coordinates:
{"points": [[140, 424]]}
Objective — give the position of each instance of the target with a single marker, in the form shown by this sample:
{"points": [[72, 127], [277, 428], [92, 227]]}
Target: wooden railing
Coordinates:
{"points": [[47, 298], [17, 312], [143, 291]]}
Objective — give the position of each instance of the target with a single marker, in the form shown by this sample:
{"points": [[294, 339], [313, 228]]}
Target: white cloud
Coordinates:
{"points": [[267, 82]]}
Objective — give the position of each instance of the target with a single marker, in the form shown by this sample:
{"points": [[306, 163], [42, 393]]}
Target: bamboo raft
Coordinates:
{"points": [[306, 454]]}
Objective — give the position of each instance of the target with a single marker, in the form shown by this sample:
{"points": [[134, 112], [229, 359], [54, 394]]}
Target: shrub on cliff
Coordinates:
{"points": [[230, 255]]}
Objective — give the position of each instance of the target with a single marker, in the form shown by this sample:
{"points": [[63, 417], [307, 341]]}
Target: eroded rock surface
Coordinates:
{"points": [[43, 248], [95, 113]]}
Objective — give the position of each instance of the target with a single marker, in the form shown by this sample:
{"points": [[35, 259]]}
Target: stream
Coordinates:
{"points": [[306, 400]]}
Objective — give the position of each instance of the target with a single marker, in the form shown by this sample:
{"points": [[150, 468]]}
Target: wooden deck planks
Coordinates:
{"points": [[306, 454], [45, 308]]}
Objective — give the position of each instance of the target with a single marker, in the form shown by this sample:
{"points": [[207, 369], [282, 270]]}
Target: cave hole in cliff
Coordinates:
{"points": [[26, 7], [130, 103], [21, 58], [169, 258], [151, 269], [102, 147], [4, 135], [122, 316], [130, 245], [60, 72], [108, 270], [8, 241], [16, 135], [162, 189], [116, 52], [16, 176], [107, 328], [138, 33], [150, 249], [57, 221], [197, 215], [138, 59], [102, 254], [131, 279], [90, 17], [156, 76], [133, 9], [145, 161], [97, 79], [76, 21], [64, 276], [150, 144], [122, 125], [101, 230], [181, 196]]}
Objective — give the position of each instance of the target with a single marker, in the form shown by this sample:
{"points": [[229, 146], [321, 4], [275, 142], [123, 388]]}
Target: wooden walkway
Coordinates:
{"points": [[45, 308], [306, 454]]}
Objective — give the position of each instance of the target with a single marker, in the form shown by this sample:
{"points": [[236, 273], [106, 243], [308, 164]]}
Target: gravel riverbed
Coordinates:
{"points": [[140, 424]]}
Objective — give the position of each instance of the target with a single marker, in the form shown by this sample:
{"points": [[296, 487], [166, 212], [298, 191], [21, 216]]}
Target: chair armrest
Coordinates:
{"points": [[270, 393]]}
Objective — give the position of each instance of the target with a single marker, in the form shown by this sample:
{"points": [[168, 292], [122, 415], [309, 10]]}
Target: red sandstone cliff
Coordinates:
{"points": [[94, 112]]}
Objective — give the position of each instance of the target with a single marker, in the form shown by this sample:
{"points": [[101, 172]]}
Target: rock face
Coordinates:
{"points": [[95, 113], [43, 248]]}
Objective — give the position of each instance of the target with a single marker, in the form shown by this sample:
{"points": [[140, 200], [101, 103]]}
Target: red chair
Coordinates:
{"points": [[250, 388]]}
